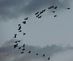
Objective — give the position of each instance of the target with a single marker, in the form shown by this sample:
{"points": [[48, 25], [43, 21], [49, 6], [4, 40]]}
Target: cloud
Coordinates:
{"points": [[10, 9], [7, 52]]}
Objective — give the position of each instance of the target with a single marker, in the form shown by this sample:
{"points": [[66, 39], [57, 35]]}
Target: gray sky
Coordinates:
{"points": [[39, 32]]}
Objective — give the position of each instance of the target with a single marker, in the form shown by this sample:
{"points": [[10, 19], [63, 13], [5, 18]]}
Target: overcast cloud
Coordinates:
{"points": [[10, 9]]}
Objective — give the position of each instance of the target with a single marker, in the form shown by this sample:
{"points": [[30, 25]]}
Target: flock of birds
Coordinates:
{"points": [[38, 15]]}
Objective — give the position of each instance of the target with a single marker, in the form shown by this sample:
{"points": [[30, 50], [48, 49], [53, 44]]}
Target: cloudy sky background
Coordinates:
{"points": [[45, 31]]}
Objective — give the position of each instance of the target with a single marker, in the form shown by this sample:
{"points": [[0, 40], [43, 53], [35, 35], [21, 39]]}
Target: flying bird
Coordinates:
{"points": [[55, 15], [50, 7], [15, 35], [20, 30], [15, 45], [55, 7], [19, 48], [29, 52], [36, 13], [24, 33], [48, 58], [23, 49], [39, 17], [24, 22], [68, 8], [22, 52], [26, 18], [36, 53], [43, 55], [53, 11], [23, 45]]}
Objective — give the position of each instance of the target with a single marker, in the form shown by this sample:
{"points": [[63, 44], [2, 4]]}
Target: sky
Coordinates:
{"points": [[39, 32]]}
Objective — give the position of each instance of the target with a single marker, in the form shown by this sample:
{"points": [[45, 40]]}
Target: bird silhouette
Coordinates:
{"points": [[55, 7], [43, 55], [22, 52], [29, 51], [23, 45], [48, 58], [55, 15], [24, 33], [26, 18], [15, 45], [24, 22], [36, 53], [50, 7], [36, 13], [15, 35], [68, 8]]}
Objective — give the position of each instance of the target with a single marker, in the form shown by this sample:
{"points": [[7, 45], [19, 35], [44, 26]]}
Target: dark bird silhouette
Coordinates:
{"points": [[39, 17], [55, 7], [15, 35], [53, 11], [20, 30], [26, 18], [23, 45], [43, 55], [44, 10], [68, 8], [36, 13], [22, 52], [17, 41], [23, 49], [50, 7], [24, 33], [41, 12], [37, 54], [55, 15], [19, 24], [29, 52], [24, 22], [19, 48], [48, 58], [15, 45]]}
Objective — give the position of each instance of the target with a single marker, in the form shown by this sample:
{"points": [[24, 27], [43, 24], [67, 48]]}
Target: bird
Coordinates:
{"points": [[19, 48], [43, 55], [44, 10], [19, 24], [39, 17], [29, 52], [55, 15], [23, 49], [23, 45], [24, 22], [24, 33], [53, 11], [55, 7], [26, 18], [36, 53], [19, 28], [48, 58], [22, 52], [68, 8], [36, 13], [15, 45], [50, 7], [17, 41], [15, 35]]}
